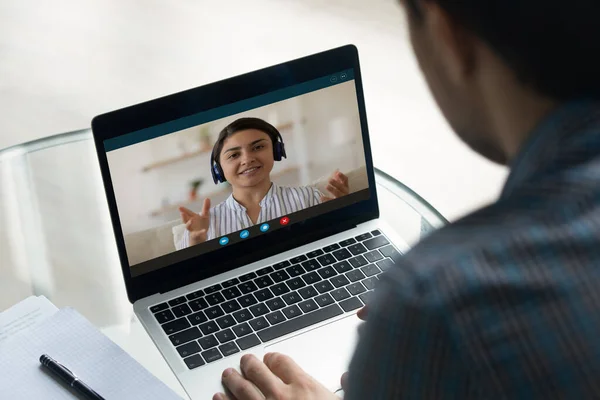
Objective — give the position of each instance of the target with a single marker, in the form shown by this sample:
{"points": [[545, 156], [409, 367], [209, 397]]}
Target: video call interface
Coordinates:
{"points": [[219, 178]]}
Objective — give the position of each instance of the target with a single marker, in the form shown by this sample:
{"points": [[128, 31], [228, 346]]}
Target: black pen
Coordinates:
{"points": [[69, 378]]}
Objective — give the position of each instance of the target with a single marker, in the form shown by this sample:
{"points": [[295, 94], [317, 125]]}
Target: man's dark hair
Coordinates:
{"points": [[243, 124], [552, 45]]}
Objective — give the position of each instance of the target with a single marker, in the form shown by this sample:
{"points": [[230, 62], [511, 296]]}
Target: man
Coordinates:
{"points": [[504, 303]]}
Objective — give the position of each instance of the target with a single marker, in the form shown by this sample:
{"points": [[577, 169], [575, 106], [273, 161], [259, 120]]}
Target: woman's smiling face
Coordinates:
{"points": [[247, 158]]}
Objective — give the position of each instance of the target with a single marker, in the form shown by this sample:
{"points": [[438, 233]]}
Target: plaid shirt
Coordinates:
{"points": [[504, 303]]}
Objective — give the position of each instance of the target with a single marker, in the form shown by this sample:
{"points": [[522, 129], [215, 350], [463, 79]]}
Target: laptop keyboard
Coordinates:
{"points": [[243, 312]]}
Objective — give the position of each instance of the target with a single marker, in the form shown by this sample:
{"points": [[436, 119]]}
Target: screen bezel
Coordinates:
{"points": [[192, 101]]}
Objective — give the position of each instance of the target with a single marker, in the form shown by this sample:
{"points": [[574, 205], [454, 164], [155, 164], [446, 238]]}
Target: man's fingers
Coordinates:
{"points": [[222, 396], [205, 207], [284, 367], [258, 373], [344, 381], [240, 387], [362, 313]]}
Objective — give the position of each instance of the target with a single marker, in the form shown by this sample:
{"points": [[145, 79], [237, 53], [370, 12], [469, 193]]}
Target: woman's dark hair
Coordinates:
{"points": [[552, 45], [243, 124]]}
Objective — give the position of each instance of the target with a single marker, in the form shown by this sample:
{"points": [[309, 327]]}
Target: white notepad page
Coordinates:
{"points": [[74, 342]]}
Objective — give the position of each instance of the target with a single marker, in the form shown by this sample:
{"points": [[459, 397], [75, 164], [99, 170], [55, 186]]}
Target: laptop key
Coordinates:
{"points": [[370, 283], [248, 341], [390, 251], [358, 261], [363, 237], [300, 322], [291, 311], [370, 270], [342, 267], [263, 281], [198, 304], [376, 232], [347, 242], [264, 271], [185, 336], [373, 256], [212, 355], [311, 277], [376, 242], [326, 259], [308, 306], [159, 307], [315, 253], [357, 249], [176, 326], [280, 289], [279, 276], [242, 330], [282, 264], [164, 316], [225, 336], [327, 272], [298, 259], [324, 300], [208, 328], [231, 306], [263, 295], [295, 270], [195, 295], [366, 296], [242, 316], [181, 310], [340, 294], [291, 298], [295, 283], [259, 309], [276, 317], [214, 298], [356, 288], [213, 289], [231, 293], [259, 323], [226, 322], [208, 342], [194, 361], [228, 349], [247, 301], [248, 287], [177, 301], [342, 254], [214, 312], [351, 304], [308, 292], [339, 281], [330, 248], [188, 349], [197, 318], [311, 265], [355, 275], [230, 282], [323, 286], [275, 304], [248, 276], [385, 264]]}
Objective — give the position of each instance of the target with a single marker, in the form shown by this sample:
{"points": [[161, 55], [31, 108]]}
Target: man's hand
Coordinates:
{"points": [[196, 224], [277, 378], [337, 186], [362, 314]]}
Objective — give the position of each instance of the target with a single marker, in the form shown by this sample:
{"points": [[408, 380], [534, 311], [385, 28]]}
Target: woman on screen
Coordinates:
{"points": [[244, 155]]}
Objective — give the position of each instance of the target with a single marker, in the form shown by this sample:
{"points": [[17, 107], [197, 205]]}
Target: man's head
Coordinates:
{"points": [[479, 56], [245, 151]]}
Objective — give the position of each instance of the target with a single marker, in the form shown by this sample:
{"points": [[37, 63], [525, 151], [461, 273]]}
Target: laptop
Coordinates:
{"points": [[289, 279]]}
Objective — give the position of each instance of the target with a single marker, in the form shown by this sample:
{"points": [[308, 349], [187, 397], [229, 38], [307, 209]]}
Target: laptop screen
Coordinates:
{"points": [[227, 175]]}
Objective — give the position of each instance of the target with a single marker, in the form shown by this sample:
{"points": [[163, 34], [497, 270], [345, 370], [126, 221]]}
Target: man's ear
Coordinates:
{"points": [[453, 45]]}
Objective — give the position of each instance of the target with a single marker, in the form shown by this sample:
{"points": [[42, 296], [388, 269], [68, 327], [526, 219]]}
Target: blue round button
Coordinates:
{"points": [[264, 227], [244, 234], [224, 240]]}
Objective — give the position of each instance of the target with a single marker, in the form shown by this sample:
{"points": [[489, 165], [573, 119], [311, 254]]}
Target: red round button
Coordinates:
{"points": [[284, 221]]}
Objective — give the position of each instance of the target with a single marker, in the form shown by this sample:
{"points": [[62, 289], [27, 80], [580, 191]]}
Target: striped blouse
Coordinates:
{"points": [[230, 216]]}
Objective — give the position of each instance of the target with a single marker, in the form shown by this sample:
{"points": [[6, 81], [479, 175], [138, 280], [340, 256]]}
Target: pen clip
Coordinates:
{"points": [[71, 372]]}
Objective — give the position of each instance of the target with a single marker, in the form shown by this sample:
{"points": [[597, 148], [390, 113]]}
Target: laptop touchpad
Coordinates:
{"points": [[324, 352]]}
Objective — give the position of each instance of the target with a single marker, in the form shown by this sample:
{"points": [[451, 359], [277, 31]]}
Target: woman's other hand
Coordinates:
{"points": [[196, 224], [337, 186]]}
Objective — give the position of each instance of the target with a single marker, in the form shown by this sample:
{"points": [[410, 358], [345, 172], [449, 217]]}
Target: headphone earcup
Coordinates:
{"points": [[217, 174], [279, 151]]}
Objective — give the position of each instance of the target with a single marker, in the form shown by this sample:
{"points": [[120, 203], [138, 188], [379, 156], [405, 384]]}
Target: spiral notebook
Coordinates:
{"points": [[72, 340]]}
